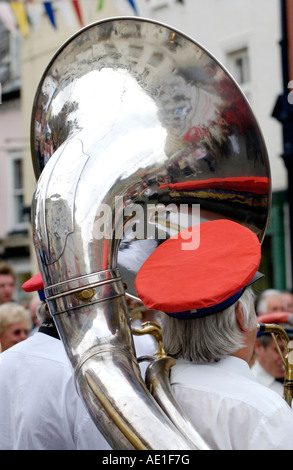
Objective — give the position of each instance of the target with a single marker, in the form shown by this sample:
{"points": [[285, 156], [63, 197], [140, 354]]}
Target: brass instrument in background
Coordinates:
{"points": [[139, 124], [287, 358]]}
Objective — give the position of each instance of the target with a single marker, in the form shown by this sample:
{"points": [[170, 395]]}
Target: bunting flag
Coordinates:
{"points": [[50, 12], [24, 14], [127, 7], [88, 10], [133, 6], [67, 13], [19, 11], [78, 11], [34, 11], [100, 5], [7, 16]]}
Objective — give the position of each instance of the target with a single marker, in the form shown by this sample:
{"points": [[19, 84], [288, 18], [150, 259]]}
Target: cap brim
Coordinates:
{"points": [[258, 275]]}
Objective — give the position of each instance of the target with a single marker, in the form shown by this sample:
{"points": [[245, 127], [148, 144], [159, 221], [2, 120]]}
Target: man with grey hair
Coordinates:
{"points": [[210, 327], [269, 301], [268, 366]]}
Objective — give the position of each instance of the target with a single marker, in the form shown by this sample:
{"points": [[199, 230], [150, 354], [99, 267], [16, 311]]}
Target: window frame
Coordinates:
{"points": [[14, 192], [232, 55]]}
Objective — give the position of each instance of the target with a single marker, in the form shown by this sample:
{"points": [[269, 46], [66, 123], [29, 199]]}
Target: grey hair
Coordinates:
{"points": [[43, 313], [261, 306], [212, 337]]}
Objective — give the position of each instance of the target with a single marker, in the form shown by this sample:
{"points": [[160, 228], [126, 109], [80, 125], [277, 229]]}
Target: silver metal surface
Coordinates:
{"points": [[158, 382], [135, 116]]}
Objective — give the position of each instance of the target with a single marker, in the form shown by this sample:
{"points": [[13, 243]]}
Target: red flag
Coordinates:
{"points": [[78, 11]]}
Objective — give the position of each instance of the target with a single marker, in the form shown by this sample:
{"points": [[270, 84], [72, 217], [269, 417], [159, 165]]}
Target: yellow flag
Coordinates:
{"points": [[19, 11]]}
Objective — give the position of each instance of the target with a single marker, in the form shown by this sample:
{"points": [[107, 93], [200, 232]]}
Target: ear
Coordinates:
{"points": [[239, 317]]}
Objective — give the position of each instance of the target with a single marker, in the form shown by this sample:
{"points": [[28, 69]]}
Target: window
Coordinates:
{"points": [[17, 218], [9, 59], [239, 67]]}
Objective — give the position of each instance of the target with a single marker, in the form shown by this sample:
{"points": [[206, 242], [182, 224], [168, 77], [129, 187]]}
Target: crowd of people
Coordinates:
{"points": [[17, 320], [226, 373]]}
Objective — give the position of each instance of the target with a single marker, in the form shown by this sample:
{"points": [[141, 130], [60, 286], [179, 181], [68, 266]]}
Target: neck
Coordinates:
{"points": [[246, 352], [243, 354]]}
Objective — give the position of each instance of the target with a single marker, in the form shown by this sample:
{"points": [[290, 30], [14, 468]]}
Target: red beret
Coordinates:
{"points": [[201, 281]]}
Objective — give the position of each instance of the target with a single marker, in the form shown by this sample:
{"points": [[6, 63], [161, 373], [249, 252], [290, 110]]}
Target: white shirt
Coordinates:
{"points": [[39, 405], [230, 409], [266, 379]]}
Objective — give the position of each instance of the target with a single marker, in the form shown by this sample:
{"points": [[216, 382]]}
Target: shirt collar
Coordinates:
{"points": [[229, 363], [262, 374], [237, 365]]}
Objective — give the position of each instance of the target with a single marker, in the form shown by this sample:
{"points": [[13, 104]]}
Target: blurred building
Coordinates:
{"points": [[15, 243], [283, 112], [243, 35]]}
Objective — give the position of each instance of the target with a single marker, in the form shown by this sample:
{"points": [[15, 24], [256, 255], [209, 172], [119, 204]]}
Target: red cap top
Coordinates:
{"points": [[201, 281], [275, 317], [284, 319], [35, 283]]}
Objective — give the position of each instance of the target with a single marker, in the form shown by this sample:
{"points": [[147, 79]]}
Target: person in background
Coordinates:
{"points": [[15, 324], [34, 305], [268, 366], [7, 283], [287, 297], [269, 301]]}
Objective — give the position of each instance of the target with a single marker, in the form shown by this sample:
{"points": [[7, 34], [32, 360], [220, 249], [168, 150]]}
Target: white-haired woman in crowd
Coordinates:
{"points": [[15, 324]]}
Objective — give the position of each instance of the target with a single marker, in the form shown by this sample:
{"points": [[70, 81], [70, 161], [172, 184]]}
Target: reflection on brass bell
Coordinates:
{"points": [[86, 295]]}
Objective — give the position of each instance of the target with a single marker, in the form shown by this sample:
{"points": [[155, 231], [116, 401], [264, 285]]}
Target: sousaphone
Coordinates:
{"points": [[137, 133]]}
